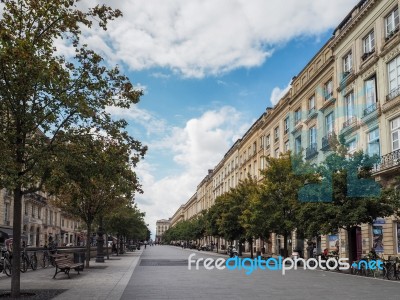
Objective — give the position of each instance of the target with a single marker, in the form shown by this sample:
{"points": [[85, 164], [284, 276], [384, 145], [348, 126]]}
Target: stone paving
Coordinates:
{"points": [[102, 281], [175, 281]]}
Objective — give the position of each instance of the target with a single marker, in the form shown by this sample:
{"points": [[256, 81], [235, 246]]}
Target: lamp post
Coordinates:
{"points": [[100, 242]]}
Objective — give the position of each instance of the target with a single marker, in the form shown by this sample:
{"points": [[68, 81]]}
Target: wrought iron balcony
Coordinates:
{"points": [[350, 122], [388, 161], [311, 151], [370, 109], [328, 96], [393, 94], [367, 54], [328, 140]]}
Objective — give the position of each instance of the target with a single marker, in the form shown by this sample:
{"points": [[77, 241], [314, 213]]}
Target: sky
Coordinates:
{"points": [[208, 69]]}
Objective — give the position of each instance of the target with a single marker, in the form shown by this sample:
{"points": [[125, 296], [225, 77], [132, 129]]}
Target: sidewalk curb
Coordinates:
{"points": [[119, 288]]}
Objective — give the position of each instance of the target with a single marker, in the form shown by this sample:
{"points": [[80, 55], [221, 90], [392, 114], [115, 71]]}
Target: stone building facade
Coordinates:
{"points": [[351, 87]]}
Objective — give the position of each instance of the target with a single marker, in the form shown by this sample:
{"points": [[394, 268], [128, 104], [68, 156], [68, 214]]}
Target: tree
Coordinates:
{"points": [[44, 98], [251, 218], [346, 195], [127, 222], [279, 189], [95, 177]]}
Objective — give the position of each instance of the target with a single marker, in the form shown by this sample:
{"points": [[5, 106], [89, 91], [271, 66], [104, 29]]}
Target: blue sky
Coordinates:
{"points": [[209, 69]]}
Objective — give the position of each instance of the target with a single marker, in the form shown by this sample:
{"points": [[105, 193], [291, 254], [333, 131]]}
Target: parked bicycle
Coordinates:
{"points": [[28, 261], [5, 263]]}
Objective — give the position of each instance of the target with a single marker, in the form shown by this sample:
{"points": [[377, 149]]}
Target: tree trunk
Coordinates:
{"points": [[16, 245], [117, 244], [350, 246], [285, 245], [251, 248], [88, 240]]}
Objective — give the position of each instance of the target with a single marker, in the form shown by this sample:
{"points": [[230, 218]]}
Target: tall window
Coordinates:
{"points": [[328, 89], [392, 22], [254, 147], [347, 63], [286, 125], [373, 142], [297, 116], [276, 133], [262, 142], [7, 212], [312, 136], [349, 102], [297, 144], [395, 133], [369, 43], [287, 146], [329, 123], [352, 146], [268, 141], [394, 74], [277, 152], [311, 104], [370, 91]]}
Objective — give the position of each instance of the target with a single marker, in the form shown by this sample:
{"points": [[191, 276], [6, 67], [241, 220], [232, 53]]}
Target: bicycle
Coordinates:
{"points": [[5, 263], [393, 270]]}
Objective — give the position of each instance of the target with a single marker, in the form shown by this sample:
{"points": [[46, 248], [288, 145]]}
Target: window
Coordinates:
{"points": [[311, 104], [254, 147], [268, 141], [395, 133], [26, 209], [312, 136], [262, 142], [352, 146], [370, 91], [286, 125], [392, 23], [349, 102], [277, 152], [328, 89], [39, 212], [297, 144], [347, 63], [276, 133], [369, 43], [297, 116], [7, 213], [262, 163], [329, 123], [287, 146], [398, 237], [33, 211], [373, 142], [394, 75]]}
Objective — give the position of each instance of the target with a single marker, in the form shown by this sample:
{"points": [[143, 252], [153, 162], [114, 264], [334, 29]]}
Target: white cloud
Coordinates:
{"points": [[195, 148], [209, 37], [149, 121], [277, 93]]}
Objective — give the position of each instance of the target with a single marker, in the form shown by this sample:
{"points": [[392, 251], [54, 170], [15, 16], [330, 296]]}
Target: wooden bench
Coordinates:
{"points": [[65, 264]]}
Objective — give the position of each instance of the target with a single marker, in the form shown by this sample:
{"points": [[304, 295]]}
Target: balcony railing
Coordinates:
{"points": [[328, 95], [327, 141], [350, 122], [367, 54], [388, 161], [311, 151], [393, 94], [392, 33], [370, 109], [36, 197]]}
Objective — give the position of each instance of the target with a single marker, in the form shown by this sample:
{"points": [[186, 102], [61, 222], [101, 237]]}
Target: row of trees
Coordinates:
{"points": [[56, 134], [294, 195]]}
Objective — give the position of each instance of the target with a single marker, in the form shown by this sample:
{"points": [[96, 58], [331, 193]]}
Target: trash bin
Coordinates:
{"points": [[79, 257]]}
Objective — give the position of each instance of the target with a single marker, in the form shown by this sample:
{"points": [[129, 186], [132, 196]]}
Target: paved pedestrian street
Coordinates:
{"points": [[162, 273]]}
